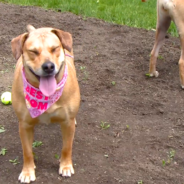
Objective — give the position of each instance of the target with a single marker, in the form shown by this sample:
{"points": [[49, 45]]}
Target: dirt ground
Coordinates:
{"points": [[145, 114]]}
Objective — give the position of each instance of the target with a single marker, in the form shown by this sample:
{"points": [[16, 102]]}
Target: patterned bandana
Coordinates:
{"points": [[36, 102]]}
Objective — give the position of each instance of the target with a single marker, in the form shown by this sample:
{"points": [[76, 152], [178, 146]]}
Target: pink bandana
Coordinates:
{"points": [[36, 102]]}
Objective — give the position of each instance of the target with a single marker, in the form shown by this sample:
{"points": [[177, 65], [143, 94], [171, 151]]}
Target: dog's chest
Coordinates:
{"points": [[46, 118]]}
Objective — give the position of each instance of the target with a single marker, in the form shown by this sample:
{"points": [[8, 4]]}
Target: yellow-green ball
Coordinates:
{"points": [[6, 98]]}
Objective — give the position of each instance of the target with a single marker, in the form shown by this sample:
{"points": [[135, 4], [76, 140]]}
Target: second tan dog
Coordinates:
{"points": [[45, 89], [168, 10]]}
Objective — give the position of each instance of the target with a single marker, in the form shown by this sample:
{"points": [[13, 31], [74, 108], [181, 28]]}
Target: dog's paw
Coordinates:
{"points": [[182, 86], [27, 176], [154, 74], [66, 170]]}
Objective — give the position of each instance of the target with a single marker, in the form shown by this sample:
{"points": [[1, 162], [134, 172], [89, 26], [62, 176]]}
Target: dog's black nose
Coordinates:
{"points": [[48, 67]]}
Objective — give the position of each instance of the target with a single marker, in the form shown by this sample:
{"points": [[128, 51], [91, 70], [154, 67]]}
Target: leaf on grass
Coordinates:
{"points": [[3, 151], [2, 130], [148, 75], [15, 162], [56, 156], [106, 127], [37, 143], [163, 162], [113, 83]]}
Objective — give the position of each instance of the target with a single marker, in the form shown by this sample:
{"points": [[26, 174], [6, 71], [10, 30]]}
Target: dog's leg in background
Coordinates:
{"points": [[68, 131], [181, 62], [163, 23], [26, 134], [180, 26]]}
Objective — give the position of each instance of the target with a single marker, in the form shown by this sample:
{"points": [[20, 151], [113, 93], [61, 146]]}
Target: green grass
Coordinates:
{"points": [[37, 144], [104, 125], [132, 13]]}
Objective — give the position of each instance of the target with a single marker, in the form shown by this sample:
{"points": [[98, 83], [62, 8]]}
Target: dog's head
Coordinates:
{"points": [[42, 52]]}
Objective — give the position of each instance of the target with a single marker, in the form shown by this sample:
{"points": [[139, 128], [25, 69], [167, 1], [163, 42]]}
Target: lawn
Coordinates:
{"points": [[132, 13]]}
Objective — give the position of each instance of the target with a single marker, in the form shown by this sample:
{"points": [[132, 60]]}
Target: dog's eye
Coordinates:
{"points": [[55, 49], [34, 52]]}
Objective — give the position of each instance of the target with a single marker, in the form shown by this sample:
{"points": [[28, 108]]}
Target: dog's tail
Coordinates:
{"points": [[143, 0]]}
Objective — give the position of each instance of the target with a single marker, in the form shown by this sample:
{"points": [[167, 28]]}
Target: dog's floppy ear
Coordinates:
{"points": [[65, 38], [17, 45]]}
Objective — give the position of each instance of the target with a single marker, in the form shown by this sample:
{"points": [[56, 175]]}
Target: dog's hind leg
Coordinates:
{"points": [[179, 21], [163, 23], [181, 62]]}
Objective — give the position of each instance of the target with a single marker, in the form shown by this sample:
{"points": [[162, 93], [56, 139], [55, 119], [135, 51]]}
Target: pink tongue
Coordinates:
{"points": [[48, 85]]}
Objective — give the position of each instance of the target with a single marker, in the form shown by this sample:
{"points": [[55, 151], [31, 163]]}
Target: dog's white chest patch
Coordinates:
{"points": [[44, 119]]}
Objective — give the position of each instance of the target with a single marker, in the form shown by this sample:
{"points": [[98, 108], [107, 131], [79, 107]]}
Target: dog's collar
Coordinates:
{"points": [[69, 55], [36, 102]]}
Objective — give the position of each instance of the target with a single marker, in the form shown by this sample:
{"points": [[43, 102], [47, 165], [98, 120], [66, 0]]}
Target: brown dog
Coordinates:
{"points": [[45, 89], [168, 10]]}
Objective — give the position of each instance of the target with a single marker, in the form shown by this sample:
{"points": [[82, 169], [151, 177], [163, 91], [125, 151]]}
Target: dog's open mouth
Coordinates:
{"points": [[48, 84]]}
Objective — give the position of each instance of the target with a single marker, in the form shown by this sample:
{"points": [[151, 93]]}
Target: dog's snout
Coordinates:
{"points": [[48, 67]]}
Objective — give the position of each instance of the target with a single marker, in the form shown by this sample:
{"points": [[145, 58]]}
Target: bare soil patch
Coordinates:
{"points": [[145, 115]]}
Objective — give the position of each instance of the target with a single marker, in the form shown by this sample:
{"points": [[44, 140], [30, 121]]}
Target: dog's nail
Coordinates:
{"points": [[27, 179], [72, 170], [64, 173], [33, 178], [68, 174]]}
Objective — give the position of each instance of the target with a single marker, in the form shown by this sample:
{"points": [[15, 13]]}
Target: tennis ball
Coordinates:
{"points": [[6, 98]]}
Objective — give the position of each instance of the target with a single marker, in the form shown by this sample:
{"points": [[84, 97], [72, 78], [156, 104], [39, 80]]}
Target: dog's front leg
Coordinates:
{"points": [[66, 166], [26, 134], [181, 62]]}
